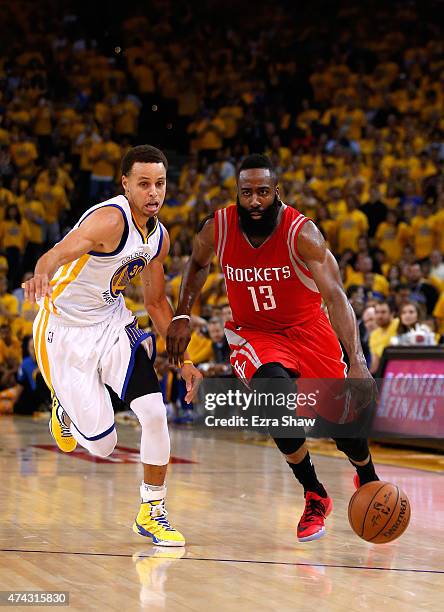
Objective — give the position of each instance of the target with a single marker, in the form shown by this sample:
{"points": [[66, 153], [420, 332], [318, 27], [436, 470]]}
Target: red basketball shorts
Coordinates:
{"points": [[311, 352]]}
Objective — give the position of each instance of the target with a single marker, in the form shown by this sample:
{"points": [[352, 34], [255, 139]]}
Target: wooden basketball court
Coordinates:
{"points": [[66, 526]]}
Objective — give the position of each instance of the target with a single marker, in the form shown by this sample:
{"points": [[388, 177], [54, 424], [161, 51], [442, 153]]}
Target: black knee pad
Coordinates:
{"points": [[273, 369], [288, 446], [355, 448], [272, 378]]}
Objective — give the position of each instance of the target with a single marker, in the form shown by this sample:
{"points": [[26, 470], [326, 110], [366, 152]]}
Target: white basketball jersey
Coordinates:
{"points": [[89, 289]]}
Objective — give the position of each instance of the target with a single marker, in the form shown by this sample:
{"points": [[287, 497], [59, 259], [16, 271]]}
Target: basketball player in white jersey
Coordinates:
{"points": [[88, 344]]}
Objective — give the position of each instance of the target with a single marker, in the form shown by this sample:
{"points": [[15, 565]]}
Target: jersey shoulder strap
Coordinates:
{"points": [[223, 221]]}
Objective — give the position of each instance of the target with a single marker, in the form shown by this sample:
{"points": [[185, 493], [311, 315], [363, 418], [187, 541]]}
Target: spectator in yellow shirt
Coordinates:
{"points": [[126, 114], [354, 119], [327, 226], [24, 154], [14, 235], [144, 77], [380, 337], [200, 347], [104, 156], [54, 200], [391, 236], [209, 131], [8, 303], [332, 177], [424, 227], [34, 213], [350, 226], [10, 355], [43, 119], [22, 325], [6, 199], [335, 203], [63, 178], [361, 276], [424, 169]]}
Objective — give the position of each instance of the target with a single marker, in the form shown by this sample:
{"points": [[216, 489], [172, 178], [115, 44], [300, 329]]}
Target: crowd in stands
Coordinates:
{"points": [[348, 102]]}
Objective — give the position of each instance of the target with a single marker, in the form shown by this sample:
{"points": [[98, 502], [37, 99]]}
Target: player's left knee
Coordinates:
{"points": [[355, 448], [155, 441]]}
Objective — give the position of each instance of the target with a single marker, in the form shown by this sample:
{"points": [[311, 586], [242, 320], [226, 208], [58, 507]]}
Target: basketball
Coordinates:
{"points": [[379, 512]]}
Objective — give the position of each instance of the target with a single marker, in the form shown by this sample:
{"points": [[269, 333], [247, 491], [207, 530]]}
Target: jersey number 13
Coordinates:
{"points": [[266, 293]]}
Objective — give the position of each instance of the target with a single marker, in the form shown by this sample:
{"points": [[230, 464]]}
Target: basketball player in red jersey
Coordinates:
{"points": [[277, 269]]}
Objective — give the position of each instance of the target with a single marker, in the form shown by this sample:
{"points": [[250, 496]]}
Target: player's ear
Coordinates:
{"points": [[277, 192], [124, 182]]}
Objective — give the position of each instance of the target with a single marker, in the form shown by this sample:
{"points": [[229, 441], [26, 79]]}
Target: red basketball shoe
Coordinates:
{"points": [[311, 526]]}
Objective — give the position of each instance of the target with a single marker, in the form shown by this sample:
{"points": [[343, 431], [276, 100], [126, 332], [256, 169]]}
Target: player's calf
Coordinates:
{"points": [[358, 454]]}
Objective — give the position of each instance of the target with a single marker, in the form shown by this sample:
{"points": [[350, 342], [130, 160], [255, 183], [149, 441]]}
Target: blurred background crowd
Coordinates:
{"points": [[347, 99]]}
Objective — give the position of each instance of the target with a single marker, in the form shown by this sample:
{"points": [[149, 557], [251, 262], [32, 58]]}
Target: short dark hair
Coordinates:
{"points": [[145, 154], [257, 160], [385, 303], [215, 319], [352, 289]]}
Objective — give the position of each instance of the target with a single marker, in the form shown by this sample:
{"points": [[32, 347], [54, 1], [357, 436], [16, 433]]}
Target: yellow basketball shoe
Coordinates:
{"points": [[151, 521], [59, 430]]}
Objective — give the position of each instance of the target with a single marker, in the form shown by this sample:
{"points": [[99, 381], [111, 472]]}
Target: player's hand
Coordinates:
{"points": [[192, 378], [37, 287], [178, 337], [361, 385]]}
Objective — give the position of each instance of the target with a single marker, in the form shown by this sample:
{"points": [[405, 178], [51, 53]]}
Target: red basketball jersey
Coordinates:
{"points": [[269, 287]]}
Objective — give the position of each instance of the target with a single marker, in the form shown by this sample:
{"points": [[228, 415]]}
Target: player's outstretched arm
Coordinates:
{"points": [[160, 311], [324, 268], [194, 276], [101, 231]]}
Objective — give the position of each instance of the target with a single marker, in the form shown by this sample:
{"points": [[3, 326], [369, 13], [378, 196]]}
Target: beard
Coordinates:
{"points": [[259, 227]]}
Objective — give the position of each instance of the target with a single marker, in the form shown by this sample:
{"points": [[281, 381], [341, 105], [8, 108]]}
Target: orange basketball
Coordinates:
{"points": [[379, 512]]}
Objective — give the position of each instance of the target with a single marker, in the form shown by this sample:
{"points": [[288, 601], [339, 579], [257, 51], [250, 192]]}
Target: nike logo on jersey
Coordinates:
{"points": [[240, 368]]}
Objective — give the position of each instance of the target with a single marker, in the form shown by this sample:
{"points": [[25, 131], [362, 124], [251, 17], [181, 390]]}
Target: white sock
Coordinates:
{"points": [[150, 492]]}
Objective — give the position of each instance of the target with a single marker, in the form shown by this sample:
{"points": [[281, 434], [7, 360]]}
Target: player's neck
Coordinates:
{"points": [[143, 222]]}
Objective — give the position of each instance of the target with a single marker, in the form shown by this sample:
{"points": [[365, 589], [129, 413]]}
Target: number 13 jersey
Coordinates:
{"points": [[269, 287]]}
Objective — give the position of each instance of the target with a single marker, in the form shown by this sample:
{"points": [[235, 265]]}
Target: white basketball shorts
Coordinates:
{"points": [[77, 362]]}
